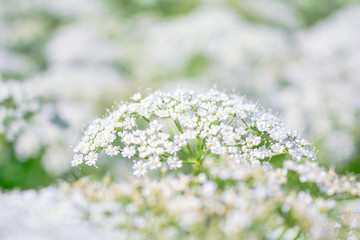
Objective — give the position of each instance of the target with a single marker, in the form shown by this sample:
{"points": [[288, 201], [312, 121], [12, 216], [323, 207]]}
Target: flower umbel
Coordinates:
{"points": [[186, 128]]}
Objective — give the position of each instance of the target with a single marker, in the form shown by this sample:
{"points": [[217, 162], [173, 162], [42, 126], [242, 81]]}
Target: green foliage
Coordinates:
{"points": [[196, 65], [17, 174], [160, 7], [311, 11], [31, 46]]}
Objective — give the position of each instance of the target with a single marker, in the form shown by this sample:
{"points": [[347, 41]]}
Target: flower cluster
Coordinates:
{"points": [[350, 217], [250, 171], [18, 102], [244, 200], [271, 69], [169, 129], [327, 180], [179, 208]]}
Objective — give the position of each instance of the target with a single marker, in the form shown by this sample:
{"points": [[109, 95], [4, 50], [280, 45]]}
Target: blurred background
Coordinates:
{"points": [[62, 63]]}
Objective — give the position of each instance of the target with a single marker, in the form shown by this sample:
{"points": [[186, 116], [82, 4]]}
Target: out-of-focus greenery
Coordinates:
{"points": [[31, 46], [18, 174], [354, 165], [160, 7], [308, 11], [311, 11], [28, 174]]}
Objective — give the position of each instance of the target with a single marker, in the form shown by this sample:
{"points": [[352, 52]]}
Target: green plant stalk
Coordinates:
{"points": [[196, 167]]}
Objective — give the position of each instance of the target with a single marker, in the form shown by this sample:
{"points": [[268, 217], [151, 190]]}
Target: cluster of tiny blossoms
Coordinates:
{"points": [[18, 102], [244, 200], [169, 129], [327, 180], [206, 207]]}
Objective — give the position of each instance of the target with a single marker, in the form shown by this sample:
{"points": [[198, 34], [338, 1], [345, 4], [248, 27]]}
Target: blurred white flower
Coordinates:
{"points": [[79, 43], [322, 95]]}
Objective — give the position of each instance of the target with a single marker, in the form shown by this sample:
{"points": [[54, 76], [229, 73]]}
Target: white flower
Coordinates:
{"points": [[174, 162], [129, 123], [277, 148], [112, 150], [154, 162], [139, 168], [162, 113], [91, 158], [128, 152], [136, 97], [77, 159]]}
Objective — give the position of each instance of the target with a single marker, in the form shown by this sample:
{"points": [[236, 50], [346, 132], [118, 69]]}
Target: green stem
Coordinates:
{"points": [[245, 123], [190, 150], [196, 168], [231, 119], [178, 126], [278, 154], [283, 233], [298, 235], [201, 150], [171, 129], [163, 174], [146, 119]]}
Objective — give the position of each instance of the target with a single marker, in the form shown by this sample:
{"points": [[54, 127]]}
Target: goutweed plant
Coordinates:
{"points": [[252, 177], [169, 130]]}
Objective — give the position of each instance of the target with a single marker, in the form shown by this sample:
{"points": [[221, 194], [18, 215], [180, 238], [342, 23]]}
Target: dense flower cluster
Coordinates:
{"points": [[168, 129], [189, 208], [327, 180], [231, 201], [250, 171], [271, 64]]}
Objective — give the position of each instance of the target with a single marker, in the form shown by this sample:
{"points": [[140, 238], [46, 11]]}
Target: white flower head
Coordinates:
{"points": [[181, 127], [154, 162], [128, 152], [136, 97], [174, 162], [77, 159], [91, 158], [112, 150], [139, 168]]}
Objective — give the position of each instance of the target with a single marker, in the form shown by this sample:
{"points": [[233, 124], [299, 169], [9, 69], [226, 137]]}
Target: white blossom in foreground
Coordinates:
{"points": [[44, 215], [185, 128], [233, 200]]}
